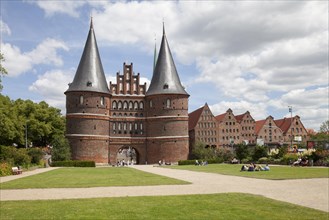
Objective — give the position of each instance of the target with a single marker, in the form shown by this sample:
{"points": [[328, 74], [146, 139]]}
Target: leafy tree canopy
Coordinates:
{"points": [[3, 71], [42, 122]]}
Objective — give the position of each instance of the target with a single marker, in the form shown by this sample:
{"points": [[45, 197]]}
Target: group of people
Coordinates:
{"points": [[300, 162], [202, 163], [254, 167], [122, 163]]}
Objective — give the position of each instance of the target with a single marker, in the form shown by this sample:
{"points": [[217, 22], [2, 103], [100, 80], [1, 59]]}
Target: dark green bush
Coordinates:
{"points": [[186, 162], [73, 163], [35, 154]]}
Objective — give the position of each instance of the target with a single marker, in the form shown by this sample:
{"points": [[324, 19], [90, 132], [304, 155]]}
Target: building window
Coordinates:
{"points": [[151, 103], [141, 105], [135, 105], [114, 105], [102, 100], [125, 105], [119, 105], [130, 105], [81, 99], [168, 103]]}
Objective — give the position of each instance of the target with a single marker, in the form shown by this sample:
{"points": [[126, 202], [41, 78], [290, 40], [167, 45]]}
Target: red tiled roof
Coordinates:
{"points": [[239, 118], [193, 118], [259, 125], [220, 117], [283, 124]]}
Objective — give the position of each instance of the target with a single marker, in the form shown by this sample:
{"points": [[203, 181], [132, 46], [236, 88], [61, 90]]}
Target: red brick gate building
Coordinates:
{"points": [[104, 123]]}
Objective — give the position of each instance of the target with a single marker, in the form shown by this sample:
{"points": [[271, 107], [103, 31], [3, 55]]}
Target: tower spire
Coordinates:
{"points": [[155, 53], [91, 22], [90, 74], [165, 79]]}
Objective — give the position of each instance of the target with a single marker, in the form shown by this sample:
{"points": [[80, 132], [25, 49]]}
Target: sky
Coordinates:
{"points": [[256, 56]]}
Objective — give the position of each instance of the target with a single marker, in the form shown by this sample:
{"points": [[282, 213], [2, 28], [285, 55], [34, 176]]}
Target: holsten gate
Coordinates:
{"points": [[109, 122]]}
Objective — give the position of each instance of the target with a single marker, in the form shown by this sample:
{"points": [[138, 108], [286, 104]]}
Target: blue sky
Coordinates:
{"points": [[260, 56]]}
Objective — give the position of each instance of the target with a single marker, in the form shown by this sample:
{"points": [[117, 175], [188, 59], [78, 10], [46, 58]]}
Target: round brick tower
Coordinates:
{"points": [[87, 107], [167, 111]]}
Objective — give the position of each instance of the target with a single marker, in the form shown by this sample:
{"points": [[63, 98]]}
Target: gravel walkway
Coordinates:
{"points": [[313, 193]]}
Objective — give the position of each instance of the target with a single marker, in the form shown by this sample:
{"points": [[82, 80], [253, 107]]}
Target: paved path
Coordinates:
{"points": [[305, 192]]}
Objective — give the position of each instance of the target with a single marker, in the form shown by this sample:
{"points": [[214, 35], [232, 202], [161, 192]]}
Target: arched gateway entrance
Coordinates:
{"points": [[128, 155]]}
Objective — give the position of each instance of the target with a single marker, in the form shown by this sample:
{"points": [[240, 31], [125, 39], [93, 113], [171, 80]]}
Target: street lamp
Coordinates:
{"points": [[26, 135], [290, 110]]}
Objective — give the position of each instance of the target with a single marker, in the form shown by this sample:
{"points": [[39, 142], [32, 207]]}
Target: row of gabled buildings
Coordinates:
{"points": [[227, 129]]}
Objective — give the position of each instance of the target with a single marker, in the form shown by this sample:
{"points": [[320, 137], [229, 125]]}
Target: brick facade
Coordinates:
{"points": [[227, 130]]}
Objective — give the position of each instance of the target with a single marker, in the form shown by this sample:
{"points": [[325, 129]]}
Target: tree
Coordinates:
{"points": [[201, 152], [324, 128], [61, 149], [39, 121], [258, 152], [3, 71], [241, 151]]}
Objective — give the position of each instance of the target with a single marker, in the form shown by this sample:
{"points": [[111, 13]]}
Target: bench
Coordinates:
{"points": [[16, 170]]}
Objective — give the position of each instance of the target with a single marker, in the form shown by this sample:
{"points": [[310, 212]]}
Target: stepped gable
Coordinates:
{"points": [[239, 118], [193, 118], [165, 78], [90, 74]]}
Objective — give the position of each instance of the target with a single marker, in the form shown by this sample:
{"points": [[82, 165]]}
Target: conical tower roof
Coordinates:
{"points": [[165, 78], [90, 74]]}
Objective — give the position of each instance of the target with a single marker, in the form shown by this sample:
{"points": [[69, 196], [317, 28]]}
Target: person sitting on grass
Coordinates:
{"points": [[297, 162], [304, 162], [266, 168]]}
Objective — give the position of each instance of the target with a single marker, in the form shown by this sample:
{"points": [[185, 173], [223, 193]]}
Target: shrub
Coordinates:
{"points": [[259, 152], [241, 151], [186, 162], [73, 163], [5, 169], [289, 158], [35, 154], [246, 160], [263, 160]]}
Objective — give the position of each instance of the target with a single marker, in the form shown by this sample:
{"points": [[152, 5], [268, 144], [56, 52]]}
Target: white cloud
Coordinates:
{"points": [[18, 62], [52, 85], [4, 28], [61, 7]]}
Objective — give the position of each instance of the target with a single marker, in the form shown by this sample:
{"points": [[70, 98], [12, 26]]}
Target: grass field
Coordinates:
{"points": [[275, 173], [90, 177], [215, 206]]}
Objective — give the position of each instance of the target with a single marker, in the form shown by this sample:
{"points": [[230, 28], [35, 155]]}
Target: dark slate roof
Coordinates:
{"points": [[90, 74], [165, 78]]}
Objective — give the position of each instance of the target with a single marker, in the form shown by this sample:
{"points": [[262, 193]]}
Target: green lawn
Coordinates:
{"points": [[90, 177], [275, 173], [214, 206]]}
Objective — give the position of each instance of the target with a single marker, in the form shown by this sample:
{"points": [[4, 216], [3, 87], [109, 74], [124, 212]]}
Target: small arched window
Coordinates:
{"points": [[125, 105], [168, 103], [151, 103], [141, 105], [102, 100], [119, 105], [81, 99], [114, 105], [135, 105], [130, 105]]}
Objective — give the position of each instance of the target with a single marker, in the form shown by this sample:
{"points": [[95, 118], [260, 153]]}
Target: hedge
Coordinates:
{"points": [[192, 162], [73, 163]]}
